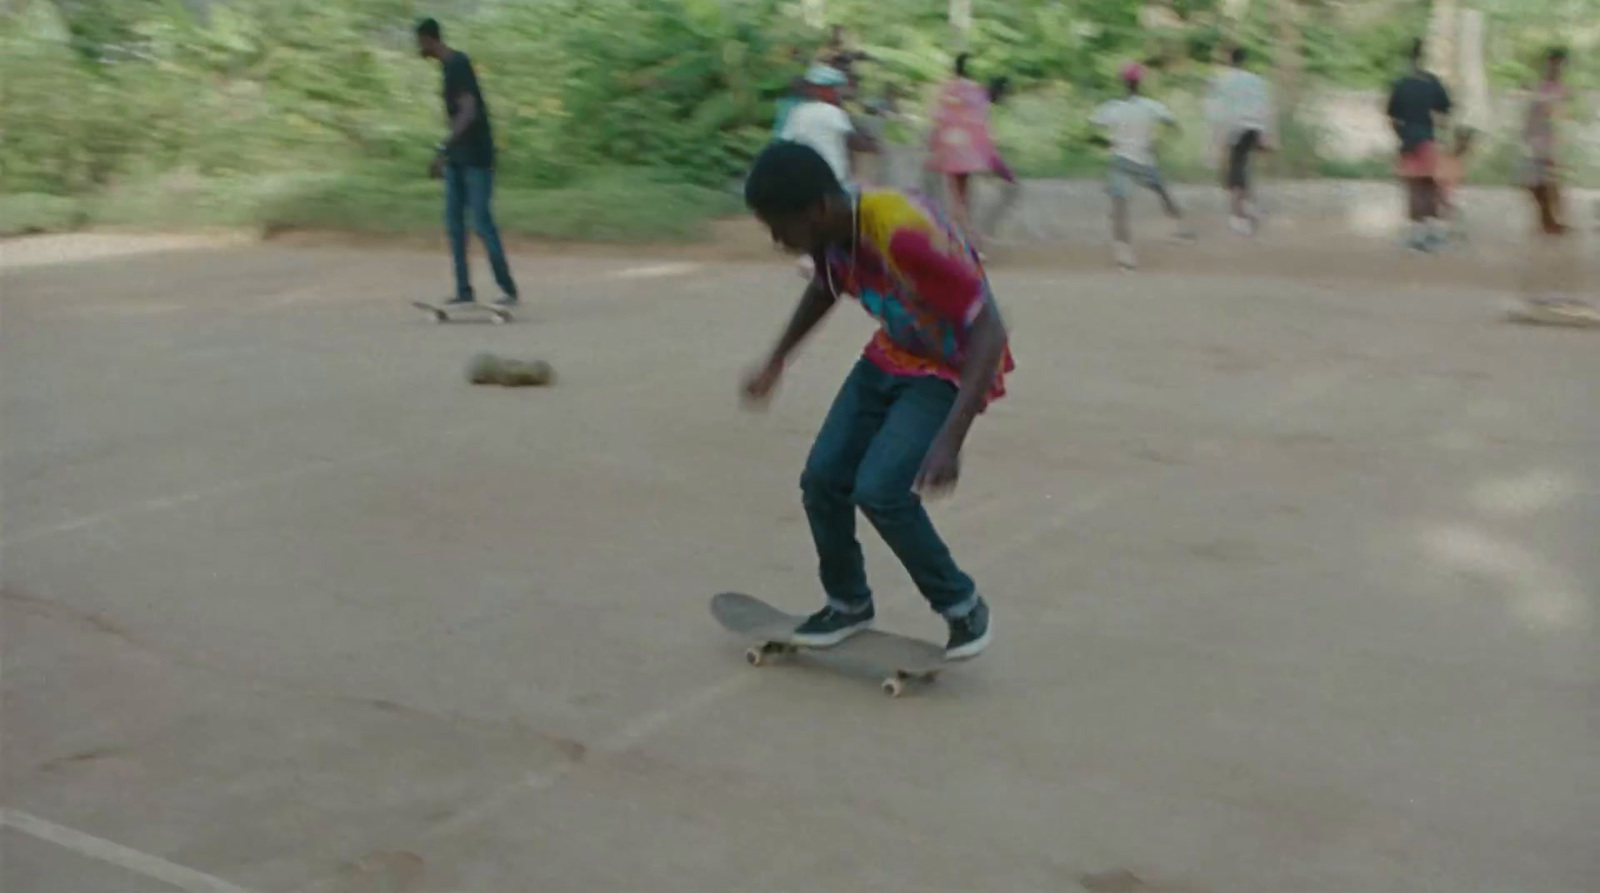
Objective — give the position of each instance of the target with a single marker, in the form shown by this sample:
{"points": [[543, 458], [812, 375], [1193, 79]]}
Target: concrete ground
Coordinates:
{"points": [[1294, 575]]}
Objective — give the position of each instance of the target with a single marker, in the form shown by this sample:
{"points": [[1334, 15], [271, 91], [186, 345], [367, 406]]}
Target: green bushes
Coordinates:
{"points": [[615, 118]]}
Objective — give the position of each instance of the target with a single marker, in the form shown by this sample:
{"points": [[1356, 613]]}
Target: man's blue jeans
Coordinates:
{"points": [[867, 456], [469, 190]]}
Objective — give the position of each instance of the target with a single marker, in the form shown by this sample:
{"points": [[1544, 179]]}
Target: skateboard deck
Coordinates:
{"points": [[450, 312], [1556, 313], [902, 659]]}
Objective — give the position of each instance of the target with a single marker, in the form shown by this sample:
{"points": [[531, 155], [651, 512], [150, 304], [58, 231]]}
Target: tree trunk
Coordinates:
{"points": [[1299, 149], [1441, 50], [1478, 111]]}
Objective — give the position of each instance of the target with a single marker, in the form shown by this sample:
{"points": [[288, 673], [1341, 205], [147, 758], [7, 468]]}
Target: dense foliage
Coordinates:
{"points": [[107, 93]]}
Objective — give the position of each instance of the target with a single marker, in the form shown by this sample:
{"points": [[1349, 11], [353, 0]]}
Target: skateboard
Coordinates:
{"points": [[903, 658], [448, 312], [1556, 312]]}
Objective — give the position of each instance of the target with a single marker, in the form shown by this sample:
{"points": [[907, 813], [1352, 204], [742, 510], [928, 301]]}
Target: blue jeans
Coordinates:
{"points": [[867, 456], [470, 190]]}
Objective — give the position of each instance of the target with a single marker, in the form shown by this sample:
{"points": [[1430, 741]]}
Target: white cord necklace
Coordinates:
{"points": [[855, 246]]}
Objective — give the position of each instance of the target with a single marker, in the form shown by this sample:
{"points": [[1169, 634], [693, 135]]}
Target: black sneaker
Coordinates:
{"points": [[969, 635], [830, 626], [461, 301]]}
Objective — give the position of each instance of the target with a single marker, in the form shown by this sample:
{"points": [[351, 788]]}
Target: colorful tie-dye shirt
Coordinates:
{"points": [[913, 272]]}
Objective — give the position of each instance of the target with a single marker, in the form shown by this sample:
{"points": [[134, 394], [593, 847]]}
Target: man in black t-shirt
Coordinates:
{"points": [[465, 159], [1413, 102]]}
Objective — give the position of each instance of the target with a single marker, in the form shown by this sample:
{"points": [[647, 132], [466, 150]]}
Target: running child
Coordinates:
{"points": [[1554, 272], [959, 143], [1130, 126], [897, 427], [1240, 108], [1418, 101]]}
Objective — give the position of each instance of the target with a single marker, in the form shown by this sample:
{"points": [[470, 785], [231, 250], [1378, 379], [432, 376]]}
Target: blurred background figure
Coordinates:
{"points": [[465, 159], [1130, 127], [1553, 275], [820, 121], [959, 143], [785, 104], [1239, 107], [878, 113], [1416, 103], [841, 57], [1540, 164]]}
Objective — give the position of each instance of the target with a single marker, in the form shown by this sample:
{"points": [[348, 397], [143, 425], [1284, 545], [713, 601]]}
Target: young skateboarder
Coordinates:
{"points": [[465, 161], [898, 424]]}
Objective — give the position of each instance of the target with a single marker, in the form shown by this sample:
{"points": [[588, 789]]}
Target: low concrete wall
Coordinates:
{"points": [[1055, 210]]}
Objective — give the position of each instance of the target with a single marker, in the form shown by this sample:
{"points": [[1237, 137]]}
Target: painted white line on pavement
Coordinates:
{"points": [[153, 867]]}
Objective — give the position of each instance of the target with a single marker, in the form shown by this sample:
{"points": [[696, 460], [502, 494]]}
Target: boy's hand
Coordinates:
{"points": [[941, 467], [436, 167], [759, 385]]}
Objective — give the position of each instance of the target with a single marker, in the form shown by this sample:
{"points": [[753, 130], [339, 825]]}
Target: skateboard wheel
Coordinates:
{"points": [[500, 319], [894, 688], [755, 656], [439, 316]]}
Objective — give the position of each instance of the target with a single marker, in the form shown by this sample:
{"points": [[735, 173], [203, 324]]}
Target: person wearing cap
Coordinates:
{"points": [[820, 123], [1130, 126]]}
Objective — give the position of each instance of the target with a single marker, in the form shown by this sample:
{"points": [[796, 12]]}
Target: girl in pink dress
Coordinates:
{"points": [[960, 144]]}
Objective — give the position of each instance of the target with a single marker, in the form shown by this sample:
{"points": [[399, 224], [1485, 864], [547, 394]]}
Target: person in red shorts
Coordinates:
{"points": [[1416, 101]]}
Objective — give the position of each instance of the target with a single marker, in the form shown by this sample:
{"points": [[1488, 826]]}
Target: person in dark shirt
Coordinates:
{"points": [[1414, 101], [465, 159]]}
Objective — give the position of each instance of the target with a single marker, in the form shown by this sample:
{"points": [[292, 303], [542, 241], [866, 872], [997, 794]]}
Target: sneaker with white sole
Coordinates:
{"points": [[1123, 252], [830, 626], [969, 634]]}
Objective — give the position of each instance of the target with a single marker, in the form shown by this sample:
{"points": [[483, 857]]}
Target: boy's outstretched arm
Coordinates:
{"points": [[986, 350], [813, 307]]}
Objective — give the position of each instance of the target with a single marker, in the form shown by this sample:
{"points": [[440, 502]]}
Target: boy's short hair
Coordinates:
{"points": [[429, 28], [1238, 55], [1556, 54], [788, 178]]}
